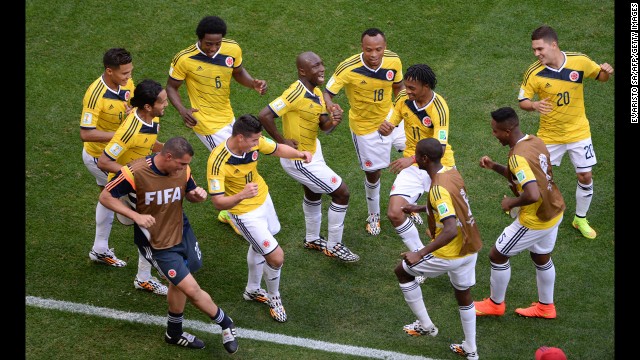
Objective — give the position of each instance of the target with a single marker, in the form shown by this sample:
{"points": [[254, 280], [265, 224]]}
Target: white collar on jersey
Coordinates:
{"points": [[564, 62], [365, 64]]}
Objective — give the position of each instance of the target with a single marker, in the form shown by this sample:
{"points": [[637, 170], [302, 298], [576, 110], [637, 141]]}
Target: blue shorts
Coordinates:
{"points": [[176, 262]]}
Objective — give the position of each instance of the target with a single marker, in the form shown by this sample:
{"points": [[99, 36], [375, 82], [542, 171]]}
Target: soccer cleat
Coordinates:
{"points": [[186, 340], [373, 224], [459, 349], [229, 340], [259, 295], [416, 329], [582, 224], [277, 310], [416, 218], [538, 310], [341, 252], [108, 258], [223, 217], [317, 244], [152, 285], [420, 279], [488, 307]]}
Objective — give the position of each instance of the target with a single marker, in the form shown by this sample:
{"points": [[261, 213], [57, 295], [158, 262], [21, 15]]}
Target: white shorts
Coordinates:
{"points": [[398, 137], [258, 227], [373, 150], [462, 272], [411, 183], [581, 153], [213, 140], [316, 175], [516, 238], [92, 165]]}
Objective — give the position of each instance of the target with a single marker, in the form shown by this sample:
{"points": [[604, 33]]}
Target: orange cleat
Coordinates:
{"points": [[487, 307], [538, 310]]}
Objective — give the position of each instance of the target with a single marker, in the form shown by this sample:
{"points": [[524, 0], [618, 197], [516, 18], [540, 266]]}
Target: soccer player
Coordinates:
{"points": [[236, 185], [162, 181], [207, 68], [557, 78], [137, 137], [426, 115], [535, 227], [372, 79], [105, 105], [303, 111], [453, 250]]}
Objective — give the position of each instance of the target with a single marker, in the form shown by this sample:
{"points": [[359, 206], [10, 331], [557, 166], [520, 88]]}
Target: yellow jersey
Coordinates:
{"points": [[432, 120], [104, 109], [228, 173], [369, 91], [300, 110], [208, 81], [567, 122]]}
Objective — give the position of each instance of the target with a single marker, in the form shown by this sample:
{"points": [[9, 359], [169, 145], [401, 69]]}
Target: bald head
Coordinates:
{"points": [[306, 58], [310, 69]]}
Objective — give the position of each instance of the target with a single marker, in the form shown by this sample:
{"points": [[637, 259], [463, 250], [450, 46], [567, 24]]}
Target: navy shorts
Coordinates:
{"points": [[176, 262]]}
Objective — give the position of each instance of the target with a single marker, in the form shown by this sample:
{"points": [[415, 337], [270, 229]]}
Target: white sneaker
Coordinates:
{"points": [[416, 329], [459, 349], [277, 310], [108, 258], [152, 285], [373, 224]]}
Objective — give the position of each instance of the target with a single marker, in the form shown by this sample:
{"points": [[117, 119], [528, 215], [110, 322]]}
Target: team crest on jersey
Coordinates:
{"points": [[115, 149], [389, 74], [127, 95], [368, 163], [172, 273], [254, 156], [214, 185], [426, 121], [266, 244], [574, 76], [228, 61], [86, 119]]}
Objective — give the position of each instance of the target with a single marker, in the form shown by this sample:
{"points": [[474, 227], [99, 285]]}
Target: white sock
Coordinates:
{"points": [[468, 320], [500, 276], [104, 221], [335, 217], [312, 218], [272, 278], [144, 268], [413, 296], [255, 265], [546, 278], [409, 235], [584, 194], [372, 192]]}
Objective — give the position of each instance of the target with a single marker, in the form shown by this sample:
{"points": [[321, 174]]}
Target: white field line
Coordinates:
{"points": [[215, 329]]}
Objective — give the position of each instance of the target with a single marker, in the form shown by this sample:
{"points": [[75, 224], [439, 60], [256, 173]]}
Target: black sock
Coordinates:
{"points": [[174, 324], [222, 319]]}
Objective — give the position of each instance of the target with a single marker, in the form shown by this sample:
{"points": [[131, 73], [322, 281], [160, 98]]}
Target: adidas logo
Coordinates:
{"points": [[547, 86], [199, 68], [363, 82], [237, 171], [111, 107]]}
